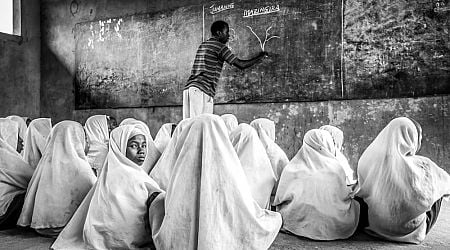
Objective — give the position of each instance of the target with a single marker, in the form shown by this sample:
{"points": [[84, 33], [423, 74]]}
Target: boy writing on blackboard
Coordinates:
{"points": [[200, 89]]}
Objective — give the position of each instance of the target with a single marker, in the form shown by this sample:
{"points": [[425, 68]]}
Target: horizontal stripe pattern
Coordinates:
{"points": [[208, 64]]}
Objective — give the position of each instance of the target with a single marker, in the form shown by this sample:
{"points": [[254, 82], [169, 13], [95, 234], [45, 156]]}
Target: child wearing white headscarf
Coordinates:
{"points": [[403, 190], [208, 201], [312, 195], [163, 136], [36, 139], [255, 162], [60, 182], [15, 174], [115, 213], [338, 139], [153, 152], [96, 128], [266, 132], [230, 121]]}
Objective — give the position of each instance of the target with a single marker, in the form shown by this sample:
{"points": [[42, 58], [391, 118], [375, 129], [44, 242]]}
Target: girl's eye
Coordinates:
{"points": [[133, 146], [144, 146]]}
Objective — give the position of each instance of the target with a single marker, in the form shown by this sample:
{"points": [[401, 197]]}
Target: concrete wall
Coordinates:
{"points": [[361, 120], [20, 66]]}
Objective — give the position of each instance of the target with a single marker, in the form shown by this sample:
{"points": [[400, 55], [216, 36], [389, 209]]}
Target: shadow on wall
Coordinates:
{"points": [[57, 88]]}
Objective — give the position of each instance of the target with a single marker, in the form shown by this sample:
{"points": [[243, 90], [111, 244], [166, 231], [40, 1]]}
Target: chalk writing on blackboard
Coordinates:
{"points": [[261, 11], [266, 39], [216, 9]]}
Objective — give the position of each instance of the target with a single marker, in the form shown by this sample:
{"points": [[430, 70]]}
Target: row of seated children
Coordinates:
{"points": [[210, 182]]}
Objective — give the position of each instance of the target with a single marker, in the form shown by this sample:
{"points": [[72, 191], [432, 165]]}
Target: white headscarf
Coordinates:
{"points": [[61, 180], [9, 132], [153, 153], [398, 185], [36, 139], [96, 128], [114, 216], [208, 201], [338, 138], [163, 136], [312, 195], [255, 162], [266, 132], [15, 173], [22, 125], [230, 121]]}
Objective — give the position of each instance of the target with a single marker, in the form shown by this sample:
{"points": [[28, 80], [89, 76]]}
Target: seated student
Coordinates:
{"points": [[163, 136], [312, 195], [403, 190], [15, 174], [60, 182], [36, 139], [115, 214], [338, 139], [230, 121], [97, 132], [153, 152], [208, 201], [266, 132], [256, 163]]}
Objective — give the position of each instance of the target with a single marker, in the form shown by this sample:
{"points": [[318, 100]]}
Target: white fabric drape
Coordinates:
{"points": [[36, 139], [230, 121], [96, 128], [61, 180], [15, 173], [163, 136], [22, 125], [338, 138], [9, 132], [255, 163], [113, 214], [163, 168], [398, 185], [266, 132], [312, 195], [208, 201]]}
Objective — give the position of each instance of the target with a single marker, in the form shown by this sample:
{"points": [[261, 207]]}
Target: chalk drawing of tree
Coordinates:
{"points": [[266, 39]]}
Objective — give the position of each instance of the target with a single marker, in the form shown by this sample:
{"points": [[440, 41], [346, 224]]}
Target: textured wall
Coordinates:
{"points": [[361, 121], [19, 66]]}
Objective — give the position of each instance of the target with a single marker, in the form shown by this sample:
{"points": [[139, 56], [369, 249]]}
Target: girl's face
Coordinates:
{"points": [[137, 149]]}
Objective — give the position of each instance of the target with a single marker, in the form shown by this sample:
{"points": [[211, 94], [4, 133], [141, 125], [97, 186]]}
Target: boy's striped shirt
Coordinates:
{"points": [[208, 65]]}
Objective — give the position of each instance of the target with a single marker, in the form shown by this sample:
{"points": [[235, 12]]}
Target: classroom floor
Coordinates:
{"points": [[438, 238]]}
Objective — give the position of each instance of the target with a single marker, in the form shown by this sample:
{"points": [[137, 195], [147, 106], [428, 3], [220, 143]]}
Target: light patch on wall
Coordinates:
{"points": [[413, 106], [339, 117], [293, 110]]}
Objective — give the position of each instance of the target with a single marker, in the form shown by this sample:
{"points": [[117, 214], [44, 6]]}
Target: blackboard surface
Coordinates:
{"points": [[136, 61], [145, 59]]}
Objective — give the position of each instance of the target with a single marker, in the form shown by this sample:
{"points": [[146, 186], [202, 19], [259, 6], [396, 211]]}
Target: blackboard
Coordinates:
{"points": [[303, 39], [135, 61], [396, 48], [144, 60]]}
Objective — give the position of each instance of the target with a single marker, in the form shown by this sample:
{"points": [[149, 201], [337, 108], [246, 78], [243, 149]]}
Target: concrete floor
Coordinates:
{"points": [[438, 238]]}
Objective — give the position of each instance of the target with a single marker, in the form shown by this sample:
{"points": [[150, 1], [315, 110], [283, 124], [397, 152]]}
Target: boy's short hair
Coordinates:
{"points": [[218, 26]]}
